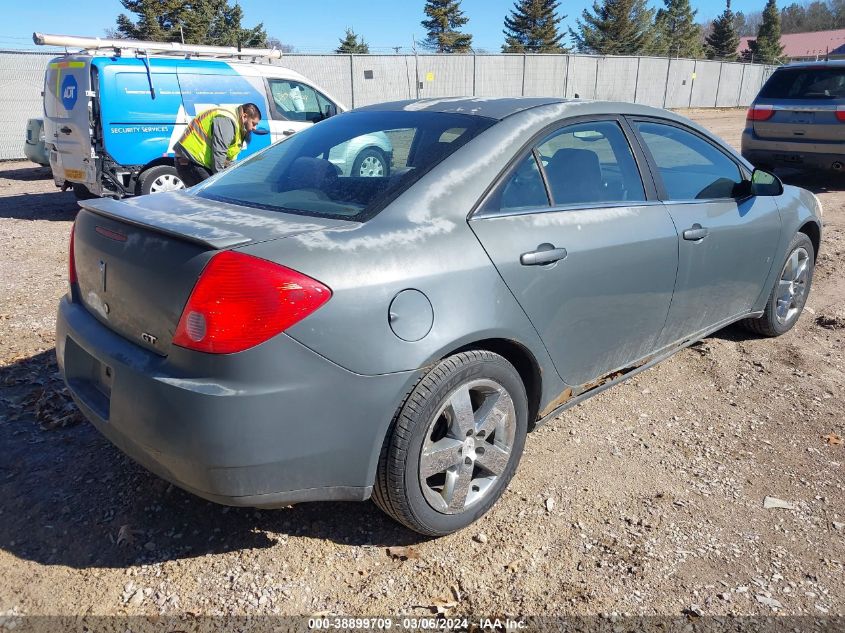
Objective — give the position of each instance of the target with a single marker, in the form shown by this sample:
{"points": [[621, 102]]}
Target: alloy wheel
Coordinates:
{"points": [[792, 287], [467, 446]]}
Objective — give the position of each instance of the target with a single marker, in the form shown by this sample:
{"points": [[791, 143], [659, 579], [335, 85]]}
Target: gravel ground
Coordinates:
{"points": [[647, 499]]}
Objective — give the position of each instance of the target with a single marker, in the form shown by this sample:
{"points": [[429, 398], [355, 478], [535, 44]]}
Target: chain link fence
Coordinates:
{"points": [[359, 80]]}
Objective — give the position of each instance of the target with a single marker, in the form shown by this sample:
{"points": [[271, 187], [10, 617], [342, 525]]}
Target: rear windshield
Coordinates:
{"points": [[349, 166], [806, 83]]}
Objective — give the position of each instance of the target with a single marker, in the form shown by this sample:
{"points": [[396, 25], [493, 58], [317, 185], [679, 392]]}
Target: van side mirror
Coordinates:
{"points": [[764, 183], [331, 110]]}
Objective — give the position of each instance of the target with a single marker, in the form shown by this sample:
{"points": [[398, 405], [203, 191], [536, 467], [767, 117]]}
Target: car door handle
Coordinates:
{"points": [[545, 254], [288, 132], [696, 232], [65, 130]]}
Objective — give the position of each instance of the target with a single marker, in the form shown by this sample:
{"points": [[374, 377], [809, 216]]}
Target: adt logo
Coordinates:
{"points": [[69, 92]]}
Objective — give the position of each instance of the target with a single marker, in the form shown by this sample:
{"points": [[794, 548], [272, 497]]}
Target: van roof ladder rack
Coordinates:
{"points": [[91, 44]]}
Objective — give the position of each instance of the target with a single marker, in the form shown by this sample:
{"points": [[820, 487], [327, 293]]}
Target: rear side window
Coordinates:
{"points": [[690, 167], [523, 189], [805, 83], [591, 163]]}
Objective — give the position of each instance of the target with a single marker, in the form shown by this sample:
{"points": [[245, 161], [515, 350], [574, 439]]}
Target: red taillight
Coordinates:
{"points": [[240, 301], [760, 113], [71, 264], [840, 113]]}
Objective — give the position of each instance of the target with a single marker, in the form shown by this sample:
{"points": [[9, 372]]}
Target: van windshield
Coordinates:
{"points": [[349, 166], [805, 83]]}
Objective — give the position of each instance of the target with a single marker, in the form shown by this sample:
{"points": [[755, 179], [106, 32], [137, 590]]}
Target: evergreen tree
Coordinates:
{"points": [[532, 28], [767, 49], [444, 19], [819, 18], [723, 39], [158, 20], [209, 22], [740, 23], [793, 18], [676, 33], [350, 44], [216, 23], [615, 27]]}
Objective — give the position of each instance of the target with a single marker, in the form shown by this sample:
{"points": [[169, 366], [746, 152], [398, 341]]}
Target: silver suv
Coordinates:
{"points": [[798, 119]]}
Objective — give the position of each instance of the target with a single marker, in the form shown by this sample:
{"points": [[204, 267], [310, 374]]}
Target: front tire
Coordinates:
{"points": [[454, 445], [159, 178], [790, 290]]}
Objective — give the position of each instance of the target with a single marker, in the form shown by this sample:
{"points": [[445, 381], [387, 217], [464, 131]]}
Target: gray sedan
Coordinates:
{"points": [[284, 332]]}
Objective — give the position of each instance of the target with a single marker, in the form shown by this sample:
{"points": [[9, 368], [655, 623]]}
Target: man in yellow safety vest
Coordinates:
{"points": [[213, 140]]}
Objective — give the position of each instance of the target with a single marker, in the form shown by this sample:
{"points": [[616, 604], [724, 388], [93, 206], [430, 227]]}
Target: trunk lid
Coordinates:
{"points": [[137, 260], [802, 120]]}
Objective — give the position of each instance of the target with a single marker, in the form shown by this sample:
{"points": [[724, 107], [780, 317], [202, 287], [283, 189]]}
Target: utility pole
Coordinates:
{"points": [[416, 65]]}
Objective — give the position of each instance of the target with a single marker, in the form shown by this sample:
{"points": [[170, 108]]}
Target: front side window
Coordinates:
{"points": [[591, 163], [297, 102], [348, 167], [690, 167]]}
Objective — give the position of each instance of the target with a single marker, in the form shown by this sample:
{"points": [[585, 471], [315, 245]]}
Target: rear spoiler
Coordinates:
{"points": [[177, 225]]}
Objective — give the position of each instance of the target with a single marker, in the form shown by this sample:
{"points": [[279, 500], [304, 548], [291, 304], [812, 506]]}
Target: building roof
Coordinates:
{"points": [[807, 45]]}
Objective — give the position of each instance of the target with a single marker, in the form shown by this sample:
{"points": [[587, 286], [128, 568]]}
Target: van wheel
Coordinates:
{"points": [[159, 178], [454, 445], [81, 192]]}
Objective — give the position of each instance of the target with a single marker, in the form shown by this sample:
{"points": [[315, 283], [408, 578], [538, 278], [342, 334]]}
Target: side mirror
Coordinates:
{"points": [[331, 110], [765, 184]]}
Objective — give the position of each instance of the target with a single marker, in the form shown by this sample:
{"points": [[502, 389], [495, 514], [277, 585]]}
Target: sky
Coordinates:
{"points": [[311, 27]]}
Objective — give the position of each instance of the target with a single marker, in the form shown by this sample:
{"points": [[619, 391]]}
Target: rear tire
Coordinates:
{"points": [[454, 444], [81, 192], [159, 178], [790, 291], [371, 163]]}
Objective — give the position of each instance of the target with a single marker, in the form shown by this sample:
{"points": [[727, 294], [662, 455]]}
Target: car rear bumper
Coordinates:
{"points": [[36, 153], [799, 154], [274, 425]]}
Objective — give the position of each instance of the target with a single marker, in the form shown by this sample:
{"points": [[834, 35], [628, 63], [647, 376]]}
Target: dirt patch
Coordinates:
{"points": [[646, 499], [832, 320]]}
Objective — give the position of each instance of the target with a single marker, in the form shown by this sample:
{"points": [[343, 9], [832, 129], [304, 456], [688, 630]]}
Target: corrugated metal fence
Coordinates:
{"points": [[671, 83], [359, 80], [21, 83]]}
